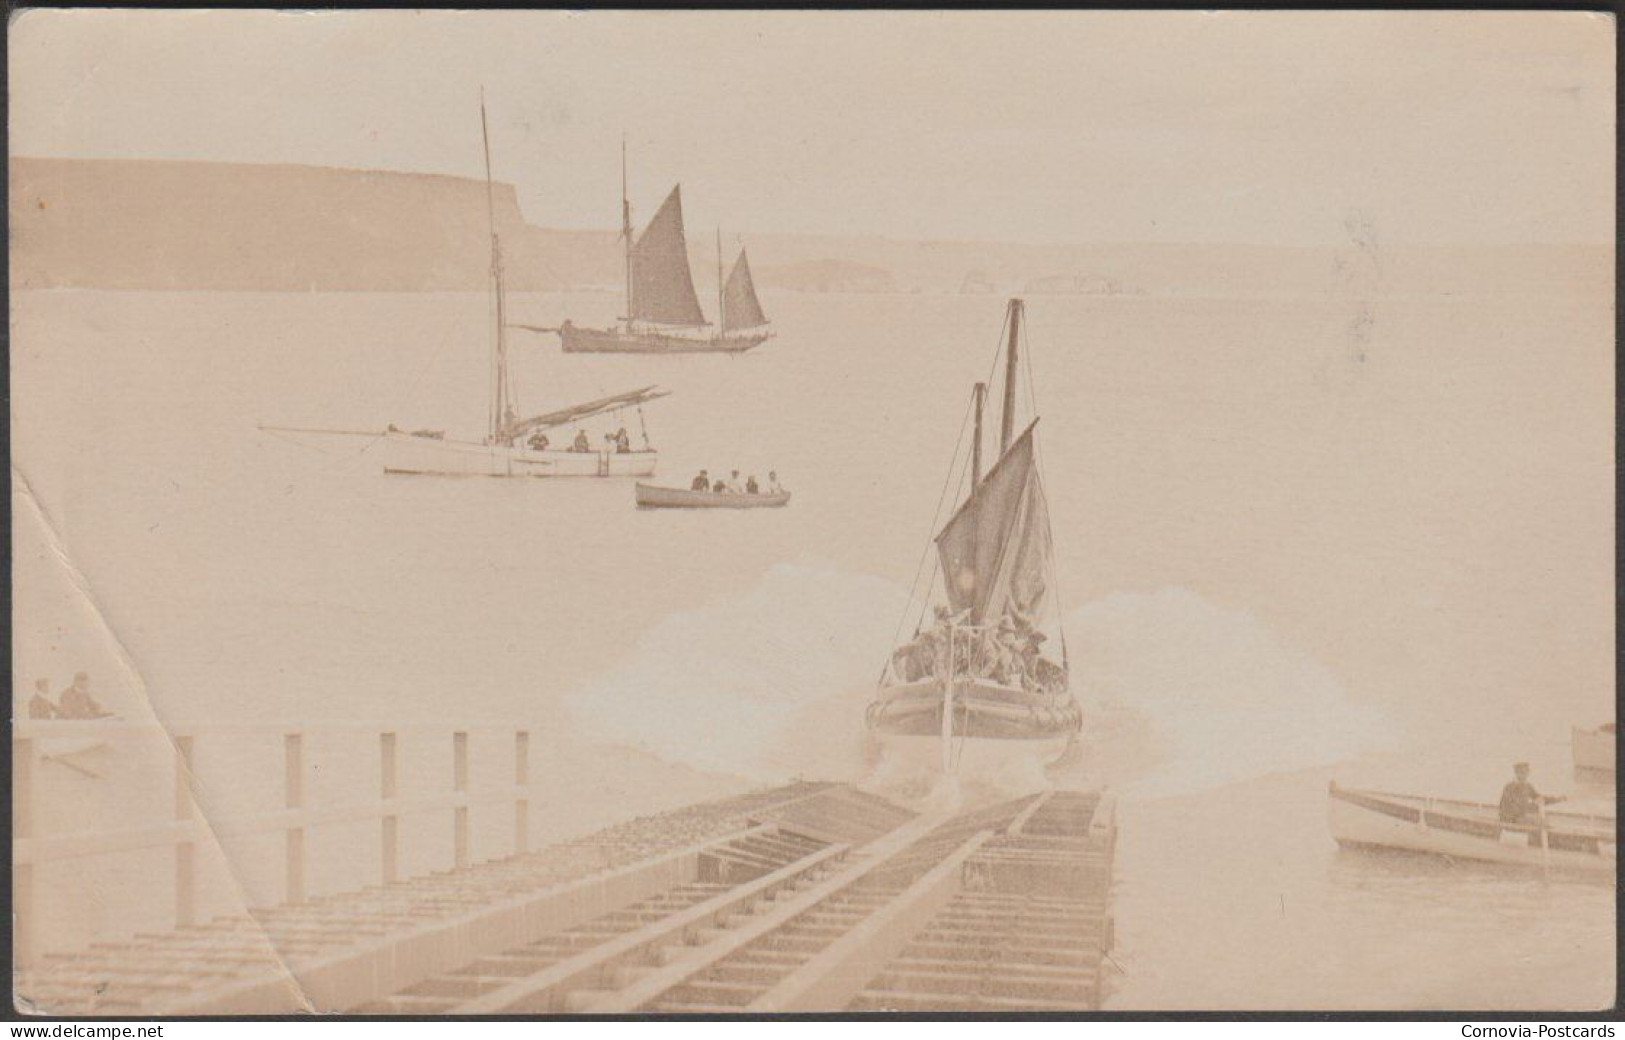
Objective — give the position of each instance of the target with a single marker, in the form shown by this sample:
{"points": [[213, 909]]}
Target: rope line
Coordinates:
{"points": [[1038, 459], [919, 567]]}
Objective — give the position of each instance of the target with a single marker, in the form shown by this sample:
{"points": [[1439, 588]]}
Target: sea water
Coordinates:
{"points": [[1293, 536]]}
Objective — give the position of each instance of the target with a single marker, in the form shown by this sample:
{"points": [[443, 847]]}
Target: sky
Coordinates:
{"points": [[1266, 127]]}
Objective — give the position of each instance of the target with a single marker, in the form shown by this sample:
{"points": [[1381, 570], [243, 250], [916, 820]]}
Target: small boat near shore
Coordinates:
{"points": [[1568, 842], [651, 496]]}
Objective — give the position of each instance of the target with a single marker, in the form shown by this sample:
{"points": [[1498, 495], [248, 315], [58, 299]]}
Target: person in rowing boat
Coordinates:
{"points": [[538, 441], [581, 442], [77, 703], [735, 484], [720, 485], [623, 442], [40, 706], [1522, 804], [751, 487], [701, 482], [773, 487]]}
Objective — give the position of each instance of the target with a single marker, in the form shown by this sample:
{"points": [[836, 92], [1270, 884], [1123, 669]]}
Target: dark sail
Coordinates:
{"points": [[662, 285], [740, 308], [996, 550]]}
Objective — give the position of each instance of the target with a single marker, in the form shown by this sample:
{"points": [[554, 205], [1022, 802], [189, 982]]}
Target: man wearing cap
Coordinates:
{"points": [[76, 701], [1520, 802], [40, 706]]}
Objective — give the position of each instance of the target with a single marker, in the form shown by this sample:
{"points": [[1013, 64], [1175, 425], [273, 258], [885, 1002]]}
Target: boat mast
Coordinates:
{"points": [[1007, 420], [500, 407], [722, 307], [979, 398], [626, 232]]}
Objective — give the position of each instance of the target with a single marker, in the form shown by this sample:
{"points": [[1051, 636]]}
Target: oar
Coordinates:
{"points": [[534, 328]]}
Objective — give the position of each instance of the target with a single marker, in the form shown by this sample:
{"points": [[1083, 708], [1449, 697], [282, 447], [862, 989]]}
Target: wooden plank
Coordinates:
{"points": [[389, 832], [294, 797], [459, 784]]}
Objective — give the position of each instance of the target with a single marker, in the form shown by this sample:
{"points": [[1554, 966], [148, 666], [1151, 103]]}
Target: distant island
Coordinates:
{"points": [[826, 275], [1079, 285]]}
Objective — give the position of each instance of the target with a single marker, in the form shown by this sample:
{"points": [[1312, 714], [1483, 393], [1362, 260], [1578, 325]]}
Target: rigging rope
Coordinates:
{"points": [[919, 568], [1038, 461], [936, 560], [445, 337], [961, 467]]}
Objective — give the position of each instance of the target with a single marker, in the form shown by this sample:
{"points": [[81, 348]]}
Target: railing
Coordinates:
{"points": [[186, 829]]}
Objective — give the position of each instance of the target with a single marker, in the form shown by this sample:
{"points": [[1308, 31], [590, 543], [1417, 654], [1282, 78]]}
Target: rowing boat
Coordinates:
{"points": [[1570, 842], [653, 497]]}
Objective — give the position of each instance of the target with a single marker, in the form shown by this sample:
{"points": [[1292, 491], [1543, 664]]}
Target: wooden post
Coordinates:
{"points": [[294, 789], [521, 780], [387, 790], [25, 950], [459, 783], [185, 849]]}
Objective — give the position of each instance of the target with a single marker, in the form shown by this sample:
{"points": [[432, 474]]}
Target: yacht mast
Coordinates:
{"points": [[979, 397], [501, 406], [1007, 420], [626, 233]]}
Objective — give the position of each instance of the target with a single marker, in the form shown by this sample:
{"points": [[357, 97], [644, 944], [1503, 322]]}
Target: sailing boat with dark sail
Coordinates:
{"points": [[663, 314], [976, 688], [519, 447]]}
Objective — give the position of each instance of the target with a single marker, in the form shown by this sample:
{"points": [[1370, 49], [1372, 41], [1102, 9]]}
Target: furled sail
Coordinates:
{"points": [[662, 285], [740, 308], [996, 550], [575, 413]]}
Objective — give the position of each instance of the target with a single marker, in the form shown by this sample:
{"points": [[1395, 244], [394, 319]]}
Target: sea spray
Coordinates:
{"points": [[768, 684], [1180, 693], [1183, 694]]}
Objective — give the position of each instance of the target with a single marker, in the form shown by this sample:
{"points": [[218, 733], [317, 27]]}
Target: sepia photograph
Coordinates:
{"points": [[856, 512]]}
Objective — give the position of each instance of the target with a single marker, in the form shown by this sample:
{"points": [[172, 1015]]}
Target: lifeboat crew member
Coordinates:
{"points": [[623, 442], [581, 443], [701, 482], [538, 441], [751, 487]]}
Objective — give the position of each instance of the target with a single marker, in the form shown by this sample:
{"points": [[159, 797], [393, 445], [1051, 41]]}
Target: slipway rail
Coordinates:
{"points": [[809, 896], [989, 910]]}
